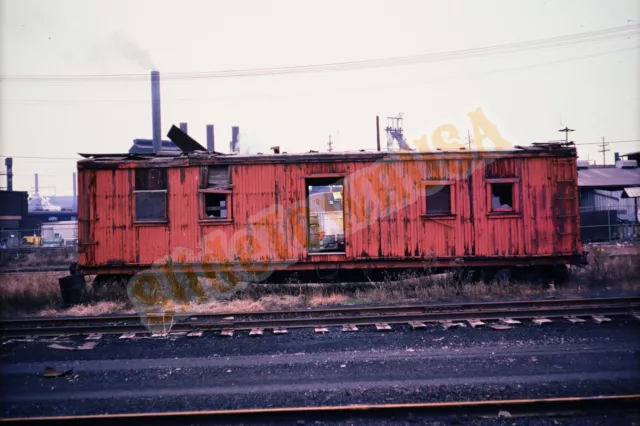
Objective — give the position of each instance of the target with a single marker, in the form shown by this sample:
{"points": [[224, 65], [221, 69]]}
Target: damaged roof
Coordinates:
{"points": [[184, 150]]}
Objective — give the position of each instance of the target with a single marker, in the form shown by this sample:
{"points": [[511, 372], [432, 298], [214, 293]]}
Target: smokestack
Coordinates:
{"points": [[155, 111], [9, 163], [75, 197], [210, 140], [183, 127], [235, 130], [37, 190]]}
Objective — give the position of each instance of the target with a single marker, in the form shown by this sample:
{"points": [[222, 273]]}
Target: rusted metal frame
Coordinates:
{"points": [[361, 263]]}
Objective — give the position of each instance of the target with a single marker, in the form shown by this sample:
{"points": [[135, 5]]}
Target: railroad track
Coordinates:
{"points": [[614, 404], [349, 318]]}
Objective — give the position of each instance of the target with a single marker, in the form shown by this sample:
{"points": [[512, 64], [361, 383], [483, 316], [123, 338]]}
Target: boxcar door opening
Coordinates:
{"points": [[325, 216]]}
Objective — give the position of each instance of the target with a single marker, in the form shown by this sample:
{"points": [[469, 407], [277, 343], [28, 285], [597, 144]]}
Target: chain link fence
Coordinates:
{"points": [[611, 224]]}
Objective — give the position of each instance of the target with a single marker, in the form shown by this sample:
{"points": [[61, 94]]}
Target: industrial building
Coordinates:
{"points": [[609, 208]]}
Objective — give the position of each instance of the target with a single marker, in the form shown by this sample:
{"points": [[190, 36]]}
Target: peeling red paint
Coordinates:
{"points": [[384, 202]]}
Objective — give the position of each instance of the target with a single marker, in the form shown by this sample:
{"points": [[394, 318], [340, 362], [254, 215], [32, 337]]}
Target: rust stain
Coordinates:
{"points": [[384, 209]]}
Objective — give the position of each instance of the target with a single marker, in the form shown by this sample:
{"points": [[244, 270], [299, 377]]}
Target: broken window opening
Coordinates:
{"points": [[501, 196], [216, 206], [215, 193], [439, 201], [325, 227], [151, 195]]}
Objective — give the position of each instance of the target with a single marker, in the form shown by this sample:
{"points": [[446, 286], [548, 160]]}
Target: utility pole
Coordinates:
{"points": [[330, 143], [566, 131], [469, 139], [603, 150]]}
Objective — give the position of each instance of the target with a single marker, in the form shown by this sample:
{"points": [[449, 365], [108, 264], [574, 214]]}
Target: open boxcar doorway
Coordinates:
{"points": [[325, 215]]}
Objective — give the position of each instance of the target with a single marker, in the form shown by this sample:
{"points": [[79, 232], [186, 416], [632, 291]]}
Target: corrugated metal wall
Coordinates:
{"points": [[385, 207], [599, 199]]}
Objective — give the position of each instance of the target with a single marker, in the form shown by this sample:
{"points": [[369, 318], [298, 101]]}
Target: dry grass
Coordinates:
{"points": [[39, 293], [46, 258]]}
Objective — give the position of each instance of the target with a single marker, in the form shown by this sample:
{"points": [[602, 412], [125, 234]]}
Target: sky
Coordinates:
{"points": [[528, 94]]}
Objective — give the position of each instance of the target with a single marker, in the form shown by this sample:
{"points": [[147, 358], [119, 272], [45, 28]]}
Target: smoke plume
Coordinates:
{"points": [[133, 52]]}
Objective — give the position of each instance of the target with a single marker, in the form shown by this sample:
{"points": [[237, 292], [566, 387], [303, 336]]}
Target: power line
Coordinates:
{"points": [[41, 158], [566, 131], [600, 143], [552, 42], [324, 92], [81, 158], [603, 150]]}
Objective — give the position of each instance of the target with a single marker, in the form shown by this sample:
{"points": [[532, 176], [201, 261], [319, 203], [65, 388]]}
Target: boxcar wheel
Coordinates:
{"points": [[503, 276], [109, 280], [559, 274], [100, 281]]}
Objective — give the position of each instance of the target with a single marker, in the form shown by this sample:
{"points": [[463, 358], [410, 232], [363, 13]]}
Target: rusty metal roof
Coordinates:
{"points": [[606, 177]]}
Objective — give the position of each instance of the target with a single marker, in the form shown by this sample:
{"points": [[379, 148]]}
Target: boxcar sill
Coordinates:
{"points": [[496, 215], [150, 223], [333, 253], [437, 217], [215, 221]]}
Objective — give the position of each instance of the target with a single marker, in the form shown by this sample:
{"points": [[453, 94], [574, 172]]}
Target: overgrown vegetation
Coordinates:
{"points": [[15, 259], [39, 293]]}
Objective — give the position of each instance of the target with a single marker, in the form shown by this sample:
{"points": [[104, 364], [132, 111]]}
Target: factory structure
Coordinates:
{"points": [[608, 195]]}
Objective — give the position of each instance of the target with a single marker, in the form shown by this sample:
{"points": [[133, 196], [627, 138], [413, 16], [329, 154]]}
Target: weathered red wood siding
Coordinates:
{"points": [[384, 206]]}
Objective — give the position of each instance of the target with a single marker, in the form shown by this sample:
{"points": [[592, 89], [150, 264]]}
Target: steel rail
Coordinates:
{"points": [[518, 407], [502, 305], [610, 309]]}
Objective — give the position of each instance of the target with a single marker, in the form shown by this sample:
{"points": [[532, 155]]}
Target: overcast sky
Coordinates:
{"points": [[529, 95]]}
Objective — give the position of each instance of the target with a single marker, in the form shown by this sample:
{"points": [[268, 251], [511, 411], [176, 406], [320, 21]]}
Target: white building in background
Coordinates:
{"points": [[42, 203], [64, 232]]}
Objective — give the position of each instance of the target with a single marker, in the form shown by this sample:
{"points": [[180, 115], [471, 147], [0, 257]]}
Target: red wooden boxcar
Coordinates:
{"points": [[389, 211]]}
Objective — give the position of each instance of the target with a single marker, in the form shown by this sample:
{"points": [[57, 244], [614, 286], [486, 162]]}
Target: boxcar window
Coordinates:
{"points": [[502, 196], [151, 179], [215, 206], [439, 200], [218, 177], [215, 193], [151, 194]]}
